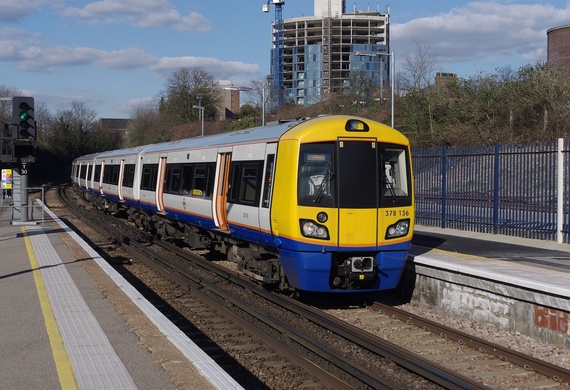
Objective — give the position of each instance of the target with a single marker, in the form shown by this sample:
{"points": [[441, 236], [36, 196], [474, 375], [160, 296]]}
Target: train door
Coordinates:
{"points": [[220, 199], [357, 192], [120, 183], [265, 207], [160, 180], [100, 186], [87, 176]]}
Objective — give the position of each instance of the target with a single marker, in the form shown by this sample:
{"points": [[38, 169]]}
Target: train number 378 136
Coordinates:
{"points": [[397, 213]]}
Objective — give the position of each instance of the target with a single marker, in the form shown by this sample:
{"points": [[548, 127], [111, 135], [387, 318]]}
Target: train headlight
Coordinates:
{"points": [[399, 229], [322, 217], [313, 230]]}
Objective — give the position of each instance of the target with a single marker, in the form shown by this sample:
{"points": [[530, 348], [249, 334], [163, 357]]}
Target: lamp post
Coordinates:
{"points": [[392, 69], [200, 108], [263, 99]]}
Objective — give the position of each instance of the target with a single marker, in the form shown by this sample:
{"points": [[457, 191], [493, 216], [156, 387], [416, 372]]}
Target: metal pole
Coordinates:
{"points": [[263, 105], [560, 192], [202, 121], [393, 62], [24, 193]]}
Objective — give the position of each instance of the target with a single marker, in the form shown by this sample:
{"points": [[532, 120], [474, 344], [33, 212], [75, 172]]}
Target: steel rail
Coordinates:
{"points": [[530, 363]]}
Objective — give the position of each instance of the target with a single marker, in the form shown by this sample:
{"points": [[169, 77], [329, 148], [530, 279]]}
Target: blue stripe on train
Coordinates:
{"points": [[308, 266]]}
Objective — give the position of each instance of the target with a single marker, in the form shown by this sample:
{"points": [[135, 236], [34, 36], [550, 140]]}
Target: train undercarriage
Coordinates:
{"points": [[254, 261]]}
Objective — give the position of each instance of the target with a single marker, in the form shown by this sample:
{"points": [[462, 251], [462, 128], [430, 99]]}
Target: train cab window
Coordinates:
{"points": [[316, 177], [395, 177], [149, 176], [129, 175]]}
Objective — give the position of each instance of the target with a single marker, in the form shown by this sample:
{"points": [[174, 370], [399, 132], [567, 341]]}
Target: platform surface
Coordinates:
{"points": [[58, 329]]}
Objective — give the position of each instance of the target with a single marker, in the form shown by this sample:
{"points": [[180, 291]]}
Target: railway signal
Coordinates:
{"points": [[23, 129], [23, 117]]}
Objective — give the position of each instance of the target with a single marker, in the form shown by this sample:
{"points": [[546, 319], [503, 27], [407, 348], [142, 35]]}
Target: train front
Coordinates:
{"points": [[342, 213]]}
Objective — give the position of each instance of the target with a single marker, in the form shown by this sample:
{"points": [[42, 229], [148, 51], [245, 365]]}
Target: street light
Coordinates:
{"points": [[200, 108], [392, 69], [247, 89]]}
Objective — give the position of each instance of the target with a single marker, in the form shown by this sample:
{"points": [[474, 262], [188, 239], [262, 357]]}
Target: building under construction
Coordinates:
{"points": [[329, 53]]}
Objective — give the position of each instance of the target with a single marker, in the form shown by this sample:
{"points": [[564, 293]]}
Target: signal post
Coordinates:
{"points": [[18, 147]]}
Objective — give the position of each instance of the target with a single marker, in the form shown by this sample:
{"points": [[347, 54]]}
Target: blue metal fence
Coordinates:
{"points": [[514, 190]]}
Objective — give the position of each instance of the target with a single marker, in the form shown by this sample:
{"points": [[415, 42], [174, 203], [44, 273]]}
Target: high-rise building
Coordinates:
{"points": [[328, 53]]}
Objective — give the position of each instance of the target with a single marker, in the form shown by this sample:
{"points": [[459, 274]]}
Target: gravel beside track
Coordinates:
{"points": [[181, 372]]}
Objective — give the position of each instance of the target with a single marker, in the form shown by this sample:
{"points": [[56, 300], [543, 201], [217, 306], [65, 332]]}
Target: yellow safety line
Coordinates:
{"points": [[62, 363]]}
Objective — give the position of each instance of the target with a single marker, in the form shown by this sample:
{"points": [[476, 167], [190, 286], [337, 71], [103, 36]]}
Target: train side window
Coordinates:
{"points": [[173, 178], [268, 182], [211, 179], [187, 178], [97, 174], [245, 182], [233, 190], [200, 182], [149, 176], [250, 187], [83, 172], [111, 174], [129, 175]]}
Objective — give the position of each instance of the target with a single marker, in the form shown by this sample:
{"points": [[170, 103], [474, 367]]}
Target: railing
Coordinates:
{"points": [[518, 190], [31, 213]]}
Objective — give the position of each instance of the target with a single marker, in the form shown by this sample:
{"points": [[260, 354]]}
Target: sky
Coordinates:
{"points": [[113, 55]]}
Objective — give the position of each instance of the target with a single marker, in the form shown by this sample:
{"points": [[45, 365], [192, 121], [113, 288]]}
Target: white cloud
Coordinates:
{"points": [[482, 31], [220, 69], [131, 58], [13, 11], [26, 50], [139, 13]]}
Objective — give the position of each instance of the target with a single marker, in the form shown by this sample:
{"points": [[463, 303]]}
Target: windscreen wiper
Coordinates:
{"points": [[324, 183], [391, 188]]}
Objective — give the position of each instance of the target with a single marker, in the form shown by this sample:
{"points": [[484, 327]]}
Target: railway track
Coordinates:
{"points": [[309, 348]]}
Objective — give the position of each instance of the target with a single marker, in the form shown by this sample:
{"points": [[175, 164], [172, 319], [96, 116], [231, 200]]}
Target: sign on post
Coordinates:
{"points": [[7, 179]]}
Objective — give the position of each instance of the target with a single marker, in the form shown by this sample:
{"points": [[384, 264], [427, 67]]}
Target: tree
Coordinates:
{"points": [[258, 96], [418, 69], [182, 93], [72, 133], [146, 126], [6, 105], [360, 88]]}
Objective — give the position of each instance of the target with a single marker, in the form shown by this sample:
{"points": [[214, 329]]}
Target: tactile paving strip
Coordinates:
{"points": [[205, 364], [95, 363]]}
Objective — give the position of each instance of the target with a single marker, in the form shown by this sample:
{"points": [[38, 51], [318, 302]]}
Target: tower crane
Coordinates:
{"points": [[277, 57]]}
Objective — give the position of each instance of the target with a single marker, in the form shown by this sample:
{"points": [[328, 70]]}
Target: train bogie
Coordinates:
{"points": [[318, 205]]}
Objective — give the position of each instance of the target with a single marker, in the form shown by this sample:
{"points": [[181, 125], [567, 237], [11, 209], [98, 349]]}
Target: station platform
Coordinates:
{"points": [[535, 264], [58, 329], [516, 284]]}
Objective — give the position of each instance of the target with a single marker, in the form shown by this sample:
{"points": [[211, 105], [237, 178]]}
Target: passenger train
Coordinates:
{"points": [[323, 204]]}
